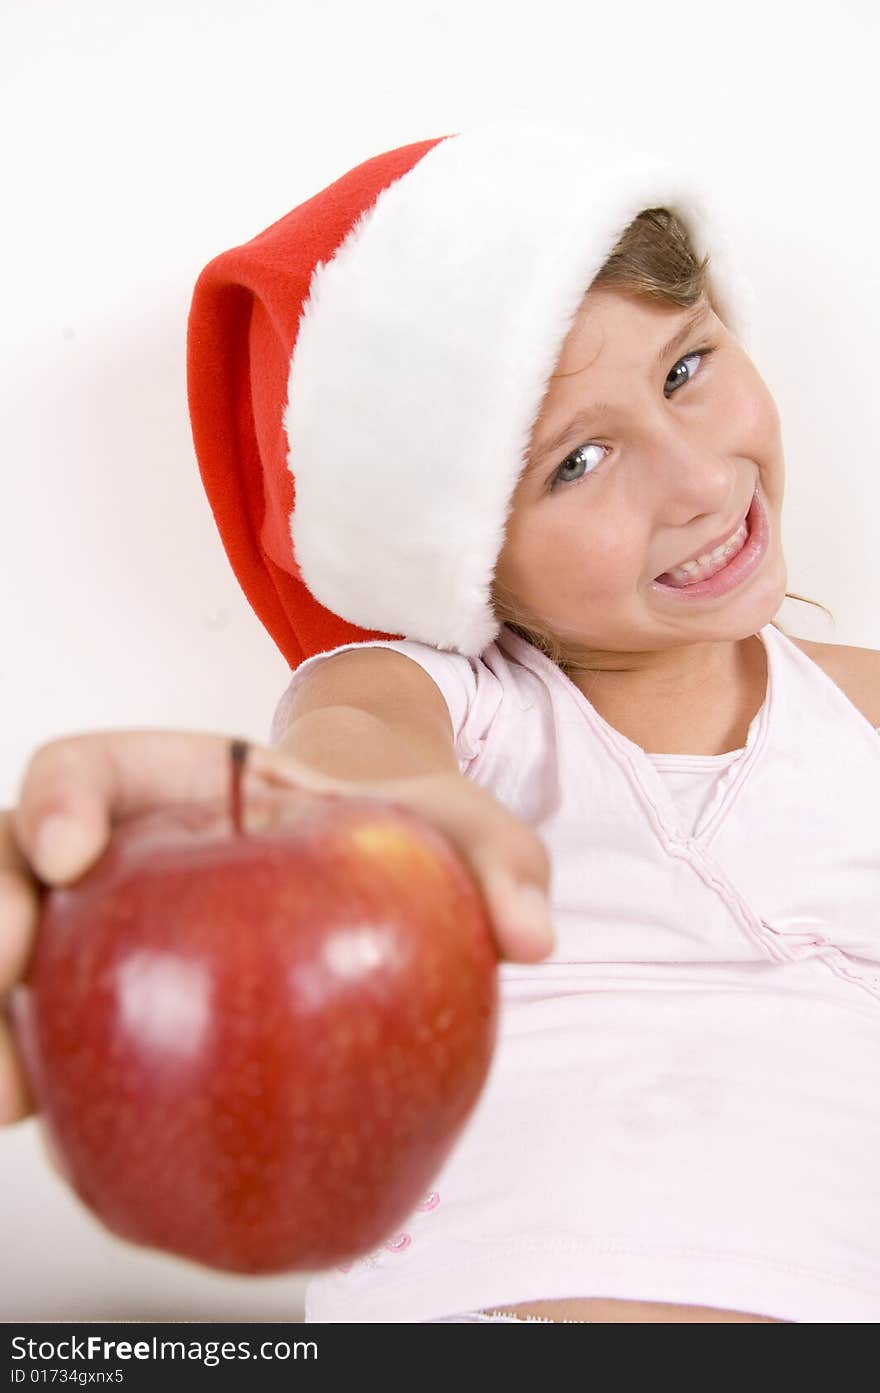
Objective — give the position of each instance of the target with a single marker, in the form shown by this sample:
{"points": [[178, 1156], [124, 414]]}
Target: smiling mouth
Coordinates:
{"points": [[709, 563]]}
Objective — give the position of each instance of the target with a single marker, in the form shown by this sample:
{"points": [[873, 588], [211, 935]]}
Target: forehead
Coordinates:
{"points": [[613, 326], [614, 334]]}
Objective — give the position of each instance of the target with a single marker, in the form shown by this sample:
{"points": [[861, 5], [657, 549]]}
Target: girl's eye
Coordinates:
{"points": [[573, 460], [697, 353], [676, 377]]}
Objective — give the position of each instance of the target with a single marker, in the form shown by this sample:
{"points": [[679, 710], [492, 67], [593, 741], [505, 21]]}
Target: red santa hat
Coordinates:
{"points": [[365, 374]]}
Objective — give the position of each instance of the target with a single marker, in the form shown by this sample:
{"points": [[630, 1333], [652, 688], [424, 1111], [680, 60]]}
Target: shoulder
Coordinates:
{"points": [[856, 671], [396, 681]]}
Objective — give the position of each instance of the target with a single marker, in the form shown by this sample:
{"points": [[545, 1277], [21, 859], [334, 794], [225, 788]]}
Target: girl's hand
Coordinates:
{"points": [[76, 789]]}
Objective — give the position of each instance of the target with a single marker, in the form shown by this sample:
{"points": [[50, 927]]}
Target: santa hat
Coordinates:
{"points": [[364, 375]]}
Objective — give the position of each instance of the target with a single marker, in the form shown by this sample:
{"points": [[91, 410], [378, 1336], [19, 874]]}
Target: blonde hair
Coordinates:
{"points": [[653, 258]]}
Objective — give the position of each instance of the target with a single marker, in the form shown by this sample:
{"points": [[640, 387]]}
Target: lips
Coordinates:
{"points": [[709, 546], [732, 576]]}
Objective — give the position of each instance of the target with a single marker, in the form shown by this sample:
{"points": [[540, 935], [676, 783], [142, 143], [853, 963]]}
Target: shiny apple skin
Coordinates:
{"points": [[255, 1051]]}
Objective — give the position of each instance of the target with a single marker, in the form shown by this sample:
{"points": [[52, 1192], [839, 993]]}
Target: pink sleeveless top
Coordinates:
{"points": [[684, 1102]]}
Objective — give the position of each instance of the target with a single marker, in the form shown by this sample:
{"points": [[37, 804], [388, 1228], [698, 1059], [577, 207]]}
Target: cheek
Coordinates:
{"points": [[612, 557], [573, 554]]}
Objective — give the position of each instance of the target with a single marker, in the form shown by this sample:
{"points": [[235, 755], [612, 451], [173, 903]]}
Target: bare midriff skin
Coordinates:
{"points": [[611, 1311], [607, 1310]]}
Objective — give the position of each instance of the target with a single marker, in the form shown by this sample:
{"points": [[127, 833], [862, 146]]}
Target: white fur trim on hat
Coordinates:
{"points": [[424, 353]]}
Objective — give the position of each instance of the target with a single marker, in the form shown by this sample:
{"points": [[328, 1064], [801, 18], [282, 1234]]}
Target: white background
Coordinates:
{"points": [[142, 140]]}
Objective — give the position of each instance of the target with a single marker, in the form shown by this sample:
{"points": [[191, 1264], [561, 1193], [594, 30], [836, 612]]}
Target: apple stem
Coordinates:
{"points": [[238, 754]]}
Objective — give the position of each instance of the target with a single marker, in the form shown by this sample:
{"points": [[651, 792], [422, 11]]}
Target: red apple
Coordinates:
{"points": [[255, 1049]]}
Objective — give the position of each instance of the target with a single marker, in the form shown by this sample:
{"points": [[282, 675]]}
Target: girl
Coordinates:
{"points": [[487, 451]]}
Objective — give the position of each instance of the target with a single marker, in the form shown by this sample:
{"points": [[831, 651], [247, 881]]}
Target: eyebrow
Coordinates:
{"points": [[584, 418]]}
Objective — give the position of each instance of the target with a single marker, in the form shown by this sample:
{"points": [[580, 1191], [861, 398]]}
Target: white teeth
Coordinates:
{"points": [[712, 561]]}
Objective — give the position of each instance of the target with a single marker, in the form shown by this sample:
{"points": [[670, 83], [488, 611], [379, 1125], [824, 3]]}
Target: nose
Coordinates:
{"points": [[684, 475]]}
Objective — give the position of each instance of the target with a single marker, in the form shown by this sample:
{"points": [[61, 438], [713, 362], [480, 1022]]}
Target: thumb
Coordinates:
{"points": [[520, 909], [505, 854], [513, 867]]}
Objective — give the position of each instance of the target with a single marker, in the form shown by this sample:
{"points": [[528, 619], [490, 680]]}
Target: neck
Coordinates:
{"points": [[698, 700]]}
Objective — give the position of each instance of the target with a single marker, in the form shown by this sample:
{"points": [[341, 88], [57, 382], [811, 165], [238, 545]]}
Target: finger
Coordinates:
{"points": [[19, 907], [76, 788], [15, 1100], [507, 858], [521, 914], [275, 770]]}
